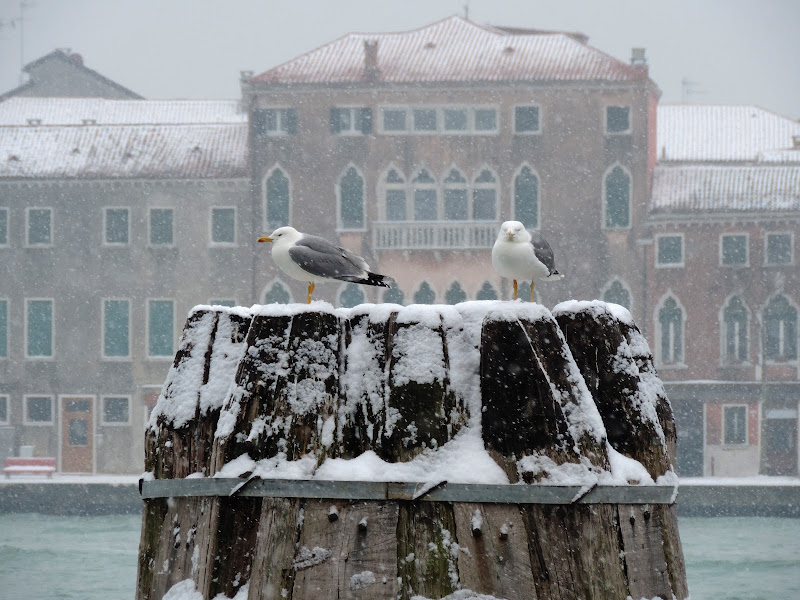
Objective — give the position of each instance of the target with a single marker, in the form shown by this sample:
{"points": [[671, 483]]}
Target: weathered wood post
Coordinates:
{"points": [[391, 452]]}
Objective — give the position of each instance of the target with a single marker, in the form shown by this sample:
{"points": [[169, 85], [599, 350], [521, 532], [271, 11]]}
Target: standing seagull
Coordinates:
{"points": [[314, 259], [516, 255]]}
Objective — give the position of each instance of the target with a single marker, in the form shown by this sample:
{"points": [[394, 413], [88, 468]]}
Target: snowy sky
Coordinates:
{"points": [[735, 51]]}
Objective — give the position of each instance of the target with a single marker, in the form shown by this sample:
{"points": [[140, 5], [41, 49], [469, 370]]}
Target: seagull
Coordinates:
{"points": [[517, 255], [314, 259]]}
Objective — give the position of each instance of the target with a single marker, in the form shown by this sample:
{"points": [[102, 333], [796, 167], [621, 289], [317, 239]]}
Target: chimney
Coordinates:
{"points": [[245, 76], [796, 142], [638, 58], [371, 70]]}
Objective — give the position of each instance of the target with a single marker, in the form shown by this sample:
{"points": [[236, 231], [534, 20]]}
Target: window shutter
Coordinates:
{"points": [[365, 120], [335, 121], [259, 122], [291, 121]]}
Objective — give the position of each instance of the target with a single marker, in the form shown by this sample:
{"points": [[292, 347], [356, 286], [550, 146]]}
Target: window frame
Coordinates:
{"points": [[340, 226], [382, 119], [746, 262], [265, 197], [103, 421], [625, 287], [226, 244], [657, 253], [52, 354], [127, 356], [724, 360], [418, 289], [439, 109], [148, 325], [282, 120], [127, 241], [355, 111], [7, 419], [344, 288], [627, 131], [767, 236], [150, 243], [781, 359], [25, 421], [268, 288], [658, 353], [475, 185], [28, 244], [5, 210], [723, 437], [4, 350], [514, 128], [513, 196], [604, 198]]}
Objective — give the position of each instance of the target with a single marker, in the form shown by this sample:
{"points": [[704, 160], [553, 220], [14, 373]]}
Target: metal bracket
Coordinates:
{"points": [[253, 487]]}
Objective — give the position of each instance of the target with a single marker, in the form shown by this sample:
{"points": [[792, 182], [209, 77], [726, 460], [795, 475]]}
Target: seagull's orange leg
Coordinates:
{"points": [[310, 291], [515, 289], [531, 290]]}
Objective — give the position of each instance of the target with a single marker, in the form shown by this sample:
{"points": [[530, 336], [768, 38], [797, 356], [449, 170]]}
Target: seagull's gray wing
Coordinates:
{"points": [[543, 251], [321, 258]]}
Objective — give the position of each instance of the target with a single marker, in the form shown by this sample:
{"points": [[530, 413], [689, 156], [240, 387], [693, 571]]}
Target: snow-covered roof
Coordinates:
{"points": [[22, 111], [102, 151], [455, 49], [704, 188], [697, 132]]}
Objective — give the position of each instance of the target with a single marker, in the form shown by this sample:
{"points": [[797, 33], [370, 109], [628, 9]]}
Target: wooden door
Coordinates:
{"points": [[77, 434]]}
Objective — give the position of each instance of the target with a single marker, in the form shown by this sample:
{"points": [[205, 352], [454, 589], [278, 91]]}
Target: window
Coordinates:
{"points": [[670, 319], [394, 295], [733, 250], [526, 119], [117, 226], [39, 226], [116, 410], [78, 432], [455, 196], [227, 303], [734, 425], [455, 294], [394, 120], [487, 292], [275, 121], [425, 197], [485, 119], [277, 294], [160, 328], [3, 227], [350, 121], [395, 187], [456, 119], [669, 250], [3, 328], [734, 328], [39, 328], [223, 226], [526, 198], [278, 199], [161, 227], [618, 119], [38, 410], [351, 200], [779, 249], [351, 295], [450, 120], [116, 328], [617, 192], [617, 293], [425, 120], [484, 196], [780, 324], [4, 410], [424, 294]]}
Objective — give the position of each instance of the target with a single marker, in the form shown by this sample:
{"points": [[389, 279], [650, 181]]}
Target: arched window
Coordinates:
{"points": [[670, 319], [455, 294], [455, 196], [425, 294], [484, 196], [617, 193], [734, 330], [526, 198], [394, 295], [487, 292], [395, 190], [351, 200], [277, 199], [426, 203], [277, 294], [617, 293], [351, 295], [780, 325]]}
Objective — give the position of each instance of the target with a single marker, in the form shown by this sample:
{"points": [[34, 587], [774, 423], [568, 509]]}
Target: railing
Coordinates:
{"points": [[434, 235]]}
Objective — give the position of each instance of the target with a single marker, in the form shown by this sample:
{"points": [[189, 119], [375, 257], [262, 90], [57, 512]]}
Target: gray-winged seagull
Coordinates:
{"points": [[314, 259], [517, 255]]}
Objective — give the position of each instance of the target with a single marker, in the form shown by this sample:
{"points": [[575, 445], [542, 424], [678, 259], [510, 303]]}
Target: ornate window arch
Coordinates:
{"points": [[670, 326], [780, 329], [734, 329], [455, 294], [425, 294], [526, 197], [618, 292], [617, 187], [425, 196], [394, 295], [455, 195], [277, 191], [276, 292], [394, 194], [484, 194], [351, 295], [487, 292], [350, 195]]}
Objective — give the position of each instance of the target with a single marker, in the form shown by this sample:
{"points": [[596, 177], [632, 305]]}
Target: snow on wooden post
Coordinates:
{"points": [[367, 453]]}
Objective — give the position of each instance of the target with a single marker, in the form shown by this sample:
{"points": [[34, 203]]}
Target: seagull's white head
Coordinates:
{"points": [[281, 234], [513, 231]]}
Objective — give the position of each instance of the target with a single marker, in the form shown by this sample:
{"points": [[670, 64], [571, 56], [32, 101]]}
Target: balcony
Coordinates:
{"points": [[434, 235]]}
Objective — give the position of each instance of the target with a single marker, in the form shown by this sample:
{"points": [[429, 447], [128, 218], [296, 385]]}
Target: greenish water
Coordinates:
{"points": [[44, 557]]}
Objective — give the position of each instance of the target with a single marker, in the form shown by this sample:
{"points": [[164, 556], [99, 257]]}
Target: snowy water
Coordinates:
{"points": [[44, 557]]}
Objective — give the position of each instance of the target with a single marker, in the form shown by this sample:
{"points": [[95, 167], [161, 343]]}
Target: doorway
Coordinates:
{"points": [[77, 434]]}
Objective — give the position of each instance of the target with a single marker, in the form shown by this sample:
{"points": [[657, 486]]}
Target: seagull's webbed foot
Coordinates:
{"points": [[310, 291], [532, 284]]}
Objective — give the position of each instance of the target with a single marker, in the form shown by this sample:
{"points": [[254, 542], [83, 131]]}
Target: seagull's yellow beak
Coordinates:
{"points": [[511, 235], [266, 238]]}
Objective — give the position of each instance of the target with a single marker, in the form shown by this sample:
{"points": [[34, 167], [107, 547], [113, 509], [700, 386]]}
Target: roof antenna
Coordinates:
{"points": [[466, 10]]}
